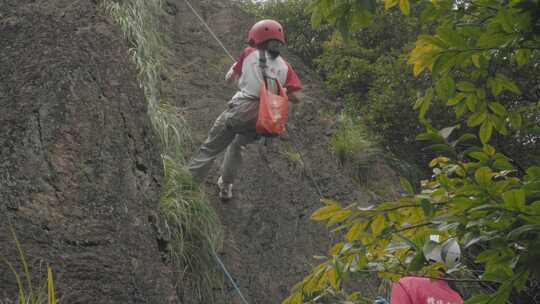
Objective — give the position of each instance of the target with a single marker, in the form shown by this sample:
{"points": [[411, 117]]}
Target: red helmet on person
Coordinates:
{"points": [[265, 30]]}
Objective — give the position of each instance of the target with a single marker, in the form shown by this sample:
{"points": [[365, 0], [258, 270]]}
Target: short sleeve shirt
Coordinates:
{"points": [[415, 290], [248, 68]]}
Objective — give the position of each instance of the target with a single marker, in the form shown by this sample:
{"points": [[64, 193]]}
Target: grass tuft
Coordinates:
{"points": [[189, 222], [28, 294], [351, 143]]}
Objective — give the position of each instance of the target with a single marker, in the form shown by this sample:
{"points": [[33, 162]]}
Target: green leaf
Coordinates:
{"points": [[471, 102], [485, 131], [515, 120], [476, 119], [436, 41], [481, 93], [514, 199], [502, 164], [489, 150], [406, 185], [377, 226], [494, 40], [339, 216], [430, 136], [427, 208], [407, 241], [354, 232], [417, 262], [533, 172], [504, 18], [456, 99], [295, 298], [487, 256], [516, 233], [462, 203], [497, 108], [443, 63], [465, 137], [500, 186], [325, 213], [390, 3], [460, 110], [466, 86], [495, 85], [481, 156], [479, 299], [50, 287], [445, 88], [508, 83], [452, 37], [405, 7], [499, 122], [483, 176], [426, 103], [521, 281], [441, 148], [523, 56], [476, 60], [333, 278]]}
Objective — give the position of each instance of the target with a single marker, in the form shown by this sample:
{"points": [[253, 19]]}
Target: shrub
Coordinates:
{"points": [[476, 195]]}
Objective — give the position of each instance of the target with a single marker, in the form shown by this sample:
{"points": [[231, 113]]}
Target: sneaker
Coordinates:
{"points": [[225, 190]]}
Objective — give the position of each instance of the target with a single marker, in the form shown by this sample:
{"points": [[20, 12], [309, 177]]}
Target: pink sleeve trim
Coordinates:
{"points": [[240, 61], [293, 82]]}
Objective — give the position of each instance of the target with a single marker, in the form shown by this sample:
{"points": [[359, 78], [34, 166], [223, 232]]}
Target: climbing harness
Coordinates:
{"points": [[309, 173]]}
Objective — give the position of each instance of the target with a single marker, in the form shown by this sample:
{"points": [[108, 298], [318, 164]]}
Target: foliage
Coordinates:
{"points": [[350, 139], [476, 194], [29, 294], [347, 68], [370, 74], [191, 227], [354, 148]]}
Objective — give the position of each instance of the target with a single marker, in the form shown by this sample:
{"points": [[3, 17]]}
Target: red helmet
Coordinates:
{"points": [[265, 30]]}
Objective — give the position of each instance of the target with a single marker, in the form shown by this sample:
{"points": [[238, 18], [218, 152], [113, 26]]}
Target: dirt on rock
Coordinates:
{"points": [[269, 237], [80, 169]]}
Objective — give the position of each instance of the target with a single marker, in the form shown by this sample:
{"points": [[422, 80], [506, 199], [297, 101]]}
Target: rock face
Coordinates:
{"points": [[80, 171]]}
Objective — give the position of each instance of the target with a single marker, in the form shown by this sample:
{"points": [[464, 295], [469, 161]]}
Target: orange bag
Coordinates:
{"points": [[273, 111]]}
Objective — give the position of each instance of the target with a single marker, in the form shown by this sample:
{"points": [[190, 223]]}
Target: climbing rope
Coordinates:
{"points": [[210, 30], [309, 173], [229, 276]]}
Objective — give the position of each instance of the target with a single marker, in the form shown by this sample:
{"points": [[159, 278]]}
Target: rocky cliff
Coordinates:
{"points": [[80, 170]]}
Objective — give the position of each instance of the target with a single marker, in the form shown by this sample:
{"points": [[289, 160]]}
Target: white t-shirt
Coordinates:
{"points": [[248, 68]]}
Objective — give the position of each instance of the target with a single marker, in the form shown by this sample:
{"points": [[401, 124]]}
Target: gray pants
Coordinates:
{"points": [[232, 130]]}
